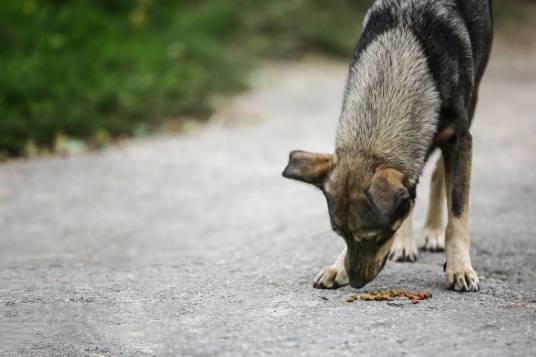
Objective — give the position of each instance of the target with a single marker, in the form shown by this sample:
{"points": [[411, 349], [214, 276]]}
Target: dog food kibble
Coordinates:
{"points": [[352, 298], [389, 295], [366, 297]]}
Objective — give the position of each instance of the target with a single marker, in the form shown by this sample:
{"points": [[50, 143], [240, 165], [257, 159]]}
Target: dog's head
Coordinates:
{"points": [[367, 203]]}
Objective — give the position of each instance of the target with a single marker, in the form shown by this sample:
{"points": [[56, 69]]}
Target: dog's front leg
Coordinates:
{"points": [[457, 158], [434, 230], [333, 276], [404, 248]]}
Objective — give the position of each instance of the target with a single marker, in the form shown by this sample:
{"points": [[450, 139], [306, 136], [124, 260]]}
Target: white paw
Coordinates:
{"points": [[462, 278], [403, 250], [434, 239], [331, 277]]}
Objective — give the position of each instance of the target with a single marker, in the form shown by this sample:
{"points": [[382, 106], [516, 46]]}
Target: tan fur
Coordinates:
{"points": [[434, 229], [322, 164], [404, 248], [309, 167], [363, 265], [387, 180], [349, 180], [443, 136], [353, 219], [459, 271], [332, 276], [386, 187]]}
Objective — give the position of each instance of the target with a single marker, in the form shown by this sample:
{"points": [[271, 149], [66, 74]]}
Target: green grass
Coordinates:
{"points": [[81, 67], [93, 69]]}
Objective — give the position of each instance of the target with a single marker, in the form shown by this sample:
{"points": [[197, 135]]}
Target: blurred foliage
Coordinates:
{"points": [[101, 69], [79, 68], [511, 16]]}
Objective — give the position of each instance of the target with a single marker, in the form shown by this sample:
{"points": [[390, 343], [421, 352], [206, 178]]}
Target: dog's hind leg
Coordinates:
{"points": [[333, 276], [457, 157], [404, 248], [434, 228]]}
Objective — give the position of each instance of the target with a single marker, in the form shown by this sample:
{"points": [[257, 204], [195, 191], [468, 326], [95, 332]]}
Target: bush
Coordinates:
{"points": [[78, 68], [92, 69]]}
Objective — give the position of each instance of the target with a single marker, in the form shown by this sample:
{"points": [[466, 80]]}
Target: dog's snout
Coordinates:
{"points": [[357, 283], [384, 261], [363, 269], [360, 275]]}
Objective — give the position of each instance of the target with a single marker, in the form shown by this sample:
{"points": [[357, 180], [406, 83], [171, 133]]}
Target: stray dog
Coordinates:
{"points": [[412, 87]]}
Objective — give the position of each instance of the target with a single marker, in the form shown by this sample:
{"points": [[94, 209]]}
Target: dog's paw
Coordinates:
{"points": [[331, 277], [462, 278], [403, 250], [434, 239]]}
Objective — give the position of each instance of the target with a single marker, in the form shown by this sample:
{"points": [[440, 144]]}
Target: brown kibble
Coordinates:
{"points": [[365, 297], [383, 295]]}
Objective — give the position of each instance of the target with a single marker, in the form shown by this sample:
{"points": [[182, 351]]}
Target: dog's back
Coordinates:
{"points": [[455, 35], [419, 62]]}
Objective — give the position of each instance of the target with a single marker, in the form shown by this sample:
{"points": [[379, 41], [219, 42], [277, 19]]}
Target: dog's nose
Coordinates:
{"points": [[357, 282]]}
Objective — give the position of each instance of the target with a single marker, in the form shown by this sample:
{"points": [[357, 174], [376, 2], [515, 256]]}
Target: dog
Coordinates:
{"points": [[412, 88]]}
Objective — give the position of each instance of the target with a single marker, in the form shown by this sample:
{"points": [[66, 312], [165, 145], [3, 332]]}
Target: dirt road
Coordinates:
{"points": [[194, 244]]}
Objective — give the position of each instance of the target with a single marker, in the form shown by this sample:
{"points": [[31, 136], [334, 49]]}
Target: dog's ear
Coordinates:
{"points": [[389, 197], [309, 167]]}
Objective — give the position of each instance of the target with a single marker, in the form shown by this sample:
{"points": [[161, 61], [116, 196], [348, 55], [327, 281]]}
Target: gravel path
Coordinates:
{"points": [[194, 244]]}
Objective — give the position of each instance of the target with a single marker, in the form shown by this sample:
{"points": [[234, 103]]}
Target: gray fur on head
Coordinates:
{"points": [[391, 104]]}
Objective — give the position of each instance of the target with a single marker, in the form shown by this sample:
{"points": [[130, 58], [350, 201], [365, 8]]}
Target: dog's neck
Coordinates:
{"points": [[391, 104]]}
